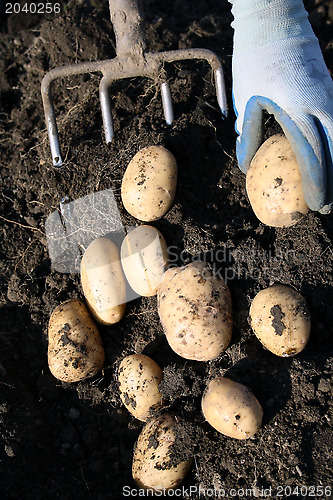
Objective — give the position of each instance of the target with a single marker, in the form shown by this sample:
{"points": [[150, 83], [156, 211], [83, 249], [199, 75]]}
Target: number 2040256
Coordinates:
{"points": [[32, 8]]}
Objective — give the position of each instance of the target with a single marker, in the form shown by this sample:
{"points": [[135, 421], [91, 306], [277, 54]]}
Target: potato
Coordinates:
{"points": [[195, 311], [75, 350], [231, 408], [144, 257], [281, 320], [139, 377], [155, 461], [103, 281], [273, 184], [149, 183]]}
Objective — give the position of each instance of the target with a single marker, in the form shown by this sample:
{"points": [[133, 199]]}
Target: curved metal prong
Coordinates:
{"points": [[51, 121], [167, 103], [206, 55], [220, 91], [106, 108], [63, 72], [54, 141]]}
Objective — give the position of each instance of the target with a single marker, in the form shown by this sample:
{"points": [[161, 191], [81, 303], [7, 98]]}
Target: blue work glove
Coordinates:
{"points": [[278, 66]]}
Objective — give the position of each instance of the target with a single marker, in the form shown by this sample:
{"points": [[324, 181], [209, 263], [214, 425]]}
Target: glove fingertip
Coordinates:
{"points": [[251, 137], [326, 209], [242, 157]]}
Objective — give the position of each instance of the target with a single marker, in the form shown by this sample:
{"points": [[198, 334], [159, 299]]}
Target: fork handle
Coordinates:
{"points": [[128, 25]]}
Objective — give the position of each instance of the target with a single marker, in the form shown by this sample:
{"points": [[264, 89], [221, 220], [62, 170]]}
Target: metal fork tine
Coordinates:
{"points": [[220, 91], [54, 143], [167, 103], [106, 109], [50, 120]]}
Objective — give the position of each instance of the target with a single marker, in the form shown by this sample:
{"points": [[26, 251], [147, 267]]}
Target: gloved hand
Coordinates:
{"points": [[278, 66]]}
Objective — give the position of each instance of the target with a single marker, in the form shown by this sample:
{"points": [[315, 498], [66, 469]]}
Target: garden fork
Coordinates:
{"points": [[132, 60]]}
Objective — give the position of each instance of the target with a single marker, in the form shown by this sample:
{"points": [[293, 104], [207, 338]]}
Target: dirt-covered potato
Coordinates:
{"points": [[156, 460], [149, 183], [273, 184], [75, 350], [281, 320], [231, 408], [195, 311], [139, 377], [103, 281], [144, 257]]}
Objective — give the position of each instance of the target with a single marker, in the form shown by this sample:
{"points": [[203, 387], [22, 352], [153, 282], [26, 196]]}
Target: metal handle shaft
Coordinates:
{"points": [[128, 25]]}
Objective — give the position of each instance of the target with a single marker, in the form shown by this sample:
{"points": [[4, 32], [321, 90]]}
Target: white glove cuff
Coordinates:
{"points": [[264, 22]]}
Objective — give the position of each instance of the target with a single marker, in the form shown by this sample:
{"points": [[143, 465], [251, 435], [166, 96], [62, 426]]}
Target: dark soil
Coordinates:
{"points": [[76, 440]]}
